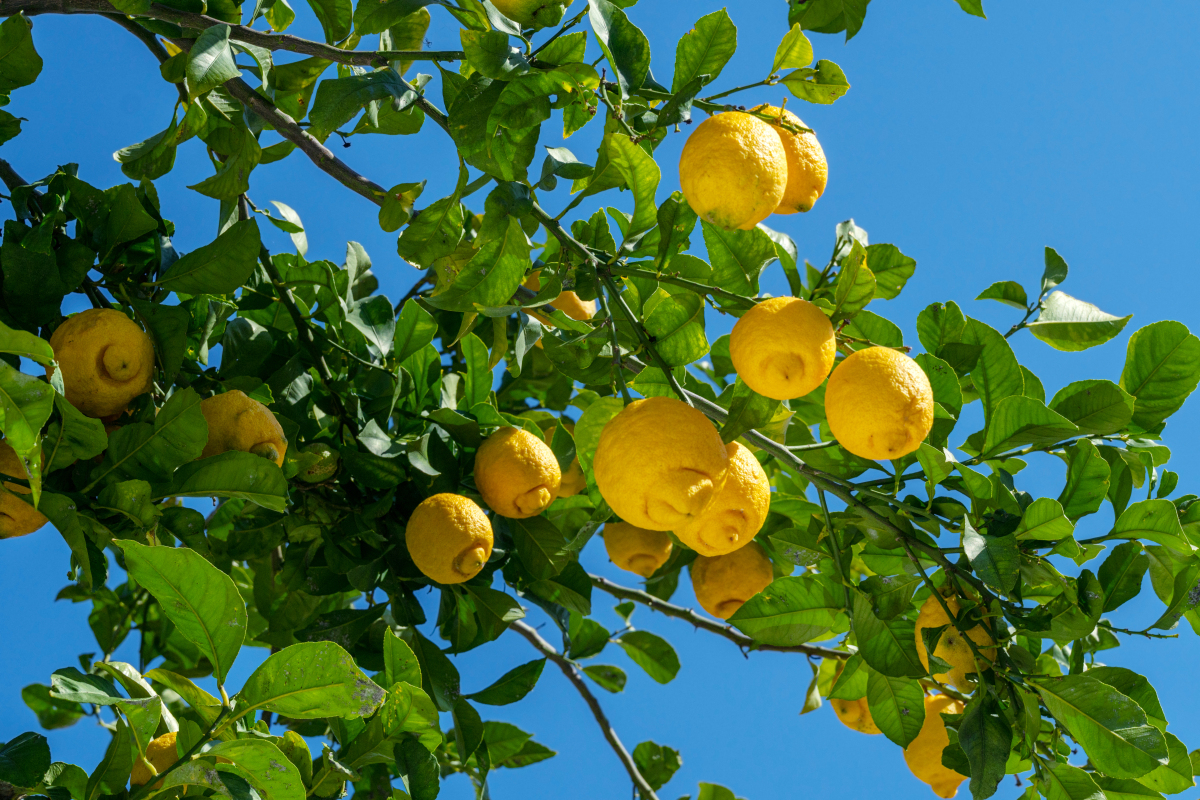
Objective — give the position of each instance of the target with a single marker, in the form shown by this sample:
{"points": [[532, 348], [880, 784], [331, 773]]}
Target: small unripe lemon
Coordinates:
{"points": [[237, 421], [516, 473], [808, 171], [738, 512], [106, 361], [573, 480], [952, 647], [879, 404], [449, 538], [324, 467], [724, 583], [17, 518], [924, 753], [533, 13], [659, 463], [636, 550], [161, 752], [855, 715], [733, 170], [783, 347]]}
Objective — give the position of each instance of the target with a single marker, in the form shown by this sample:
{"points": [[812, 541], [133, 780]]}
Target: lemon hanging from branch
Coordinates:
{"points": [[106, 361]]}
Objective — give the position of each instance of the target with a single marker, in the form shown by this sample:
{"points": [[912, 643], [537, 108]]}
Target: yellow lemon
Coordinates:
{"points": [[636, 550], [567, 302], [879, 404], [533, 13], [516, 473], [161, 752], [723, 583], [855, 715], [783, 347], [737, 513], [239, 422], [924, 753], [573, 480], [17, 518], [449, 538], [106, 361], [659, 463], [952, 647], [733, 170], [808, 171]]}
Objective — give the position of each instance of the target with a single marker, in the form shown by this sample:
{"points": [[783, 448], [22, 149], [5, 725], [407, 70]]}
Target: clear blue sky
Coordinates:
{"points": [[970, 144]]}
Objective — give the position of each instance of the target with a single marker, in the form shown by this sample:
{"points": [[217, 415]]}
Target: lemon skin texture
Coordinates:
{"points": [[567, 302], [533, 13], [783, 348], [924, 754], [952, 647], [855, 715], [449, 538], [573, 480], [17, 518], [659, 463], [733, 170], [808, 171], [239, 422], [636, 550], [161, 752], [106, 361], [879, 404], [737, 513], [724, 583], [516, 473]]}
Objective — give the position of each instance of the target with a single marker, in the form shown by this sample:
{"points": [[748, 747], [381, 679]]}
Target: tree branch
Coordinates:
{"points": [[568, 669], [151, 41]]}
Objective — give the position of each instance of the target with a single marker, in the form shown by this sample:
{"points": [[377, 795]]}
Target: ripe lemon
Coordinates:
{"points": [[239, 422], [516, 473], [737, 513], [567, 302], [659, 463], [636, 550], [879, 404], [533, 13], [17, 518], [783, 347], [808, 171], [161, 752], [924, 753], [952, 647], [573, 480], [733, 170], [723, 583], [449, 538], [106, 361], [855, 715]]}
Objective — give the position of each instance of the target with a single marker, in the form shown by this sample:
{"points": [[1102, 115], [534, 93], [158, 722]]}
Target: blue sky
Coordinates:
{"points": [[970, 144]]}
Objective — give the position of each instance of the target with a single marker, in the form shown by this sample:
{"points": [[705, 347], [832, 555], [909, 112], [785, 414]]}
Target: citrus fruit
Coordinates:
{"points": [[449, 538], [533, 13], [659, 463], [567, 302], [879, 404], [105, 358], [952, 647], [808, 171], [237, 421], [924, 753], [17, 518], [516, 473], [723, 583], [636, 550], [855, 715], [161, 752], [737, 513], [320, 463], [783, 347], [573, 480], [733, 170]]}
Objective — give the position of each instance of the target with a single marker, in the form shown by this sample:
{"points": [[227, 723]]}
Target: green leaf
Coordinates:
{"points": [[829, 16], [512, 685], [25, 405], [891, 268], [747, 410], [711, 791], [1136, 687], [540, 546], [973, 7], [151, 452], [418, 769], [1044, 521], [20, 64], [1019, 420], [855, 286], [202, 602], [676, 321], [1175, 776], [493, 274], [210, 61], [490, 53], [996, 374], [609, 678], [1010, 293], [372, 317], [90, 559], [1072, 325], [269, 769], [706, 49], [1121, 574], [168, 327], [790, 611], [24, 760], [415, 328], [641, 175], [1156, 520], [377, 17], [242, 153], [656, 763], [218, 268], [651, 653], [52, 713], [1096, 406], [309, 681], [1112, 728], [589, 427], [823, 84], [400, 663], [335, 17], [986, 737], [1087, 480], [623, 44], [1055, 272], [233, 474], [795, 50], [994, 558], [25, 344], [738, 257], [897, 706], [339, 100], [1162, 367], [1064, 782], [888, 647]]}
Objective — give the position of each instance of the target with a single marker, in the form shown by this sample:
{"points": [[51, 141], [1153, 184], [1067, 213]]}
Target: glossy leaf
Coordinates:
{"points": [[1162, 367], [1072, 325], [790, 611], [310, 681]]}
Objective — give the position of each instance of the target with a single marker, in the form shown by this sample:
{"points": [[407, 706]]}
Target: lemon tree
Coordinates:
{"points": [[549, 376]]}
